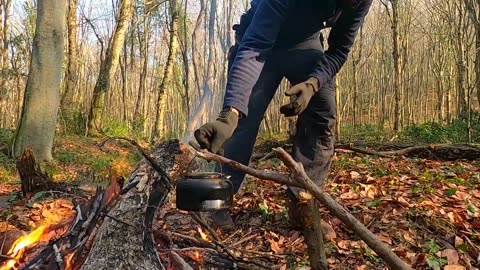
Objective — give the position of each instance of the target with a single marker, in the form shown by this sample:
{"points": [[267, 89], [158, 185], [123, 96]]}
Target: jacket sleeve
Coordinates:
{"points": [[340, 41], [258, 40]]}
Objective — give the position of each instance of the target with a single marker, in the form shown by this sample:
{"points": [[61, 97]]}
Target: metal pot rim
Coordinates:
{"points": [[206, 175]]}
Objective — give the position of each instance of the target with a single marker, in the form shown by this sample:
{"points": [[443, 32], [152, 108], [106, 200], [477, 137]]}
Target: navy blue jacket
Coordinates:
{"points": [[286, 24]]}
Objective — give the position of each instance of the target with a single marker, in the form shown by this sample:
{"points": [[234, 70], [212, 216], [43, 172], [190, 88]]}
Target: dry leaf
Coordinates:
{"points": [[454, 267], [355, 175], [344, 244], [403, 201], [328, 232], [274, 246], [384, 238], [451, 255], [349, 196]]}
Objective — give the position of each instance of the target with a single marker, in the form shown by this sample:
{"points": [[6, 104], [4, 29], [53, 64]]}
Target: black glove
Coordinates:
{"points": [[301, 95], [213, 135]]}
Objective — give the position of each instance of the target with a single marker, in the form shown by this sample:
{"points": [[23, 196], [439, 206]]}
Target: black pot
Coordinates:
{"points": [[204, 192]]}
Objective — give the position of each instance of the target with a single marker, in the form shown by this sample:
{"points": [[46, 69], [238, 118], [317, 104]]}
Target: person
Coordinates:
{"points": [[277, 39]]}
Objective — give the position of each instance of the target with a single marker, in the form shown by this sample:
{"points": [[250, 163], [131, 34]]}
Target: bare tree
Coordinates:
{"points": [[37, 125], [109, 65]]}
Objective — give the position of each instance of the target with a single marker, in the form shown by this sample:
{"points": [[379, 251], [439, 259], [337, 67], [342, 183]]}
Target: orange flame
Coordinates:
{"points": [[197, 255], [203, 235], [68, 261], [18, 247]]}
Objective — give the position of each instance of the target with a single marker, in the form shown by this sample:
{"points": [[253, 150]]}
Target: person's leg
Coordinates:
{"points": [[313, 147], [314, 138], [240, 146]]}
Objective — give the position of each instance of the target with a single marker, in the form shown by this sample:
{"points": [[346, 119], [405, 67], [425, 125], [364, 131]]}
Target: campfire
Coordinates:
{"points": [[60, 245], [115, 229]]}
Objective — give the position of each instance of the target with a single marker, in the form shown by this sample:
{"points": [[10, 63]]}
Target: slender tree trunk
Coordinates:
{"points": [[6, 6], [108, 67], [396, 66], [195, 57], [168, 72], [138, 113], [42, 93], [71, 77]]}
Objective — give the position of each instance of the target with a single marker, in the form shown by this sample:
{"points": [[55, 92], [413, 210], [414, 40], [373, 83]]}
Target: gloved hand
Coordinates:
{"points": [[213, 135], [301, 95]]}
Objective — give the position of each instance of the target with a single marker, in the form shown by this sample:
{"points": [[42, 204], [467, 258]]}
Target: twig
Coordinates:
{"points": [[181, 250], [300, 179], [207, 227], [243, 240], [350, 147], [6, 257], [178, 262], [215, 239]]}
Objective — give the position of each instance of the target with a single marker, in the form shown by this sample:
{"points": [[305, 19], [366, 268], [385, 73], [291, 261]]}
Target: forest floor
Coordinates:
{"points": [[428, 211]]}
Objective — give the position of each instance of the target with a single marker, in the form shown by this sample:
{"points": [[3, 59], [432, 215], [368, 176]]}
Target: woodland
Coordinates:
{"points": [[99, 101]]}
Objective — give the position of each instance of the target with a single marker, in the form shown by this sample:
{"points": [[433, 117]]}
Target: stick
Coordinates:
{"points": [[178, 262], [382, 250], [299, 178]]}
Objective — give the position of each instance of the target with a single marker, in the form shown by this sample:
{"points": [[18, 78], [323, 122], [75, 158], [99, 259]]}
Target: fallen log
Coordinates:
{"points": [[130, 220], [445, 152], [299, 178]]}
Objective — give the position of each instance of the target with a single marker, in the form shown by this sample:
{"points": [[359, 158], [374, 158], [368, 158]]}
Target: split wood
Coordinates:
{"points": [[299, 178]]}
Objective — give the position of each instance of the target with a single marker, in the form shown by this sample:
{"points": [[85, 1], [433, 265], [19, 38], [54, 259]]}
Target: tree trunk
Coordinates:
{"points": [[39, 114], [168, 72], [5, 31], [71, 77], [396, 66], [108, 67], [129, 244]]}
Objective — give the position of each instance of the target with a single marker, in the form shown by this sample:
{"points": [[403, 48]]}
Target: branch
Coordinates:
{"points": [[267, 175], [300, 178]]}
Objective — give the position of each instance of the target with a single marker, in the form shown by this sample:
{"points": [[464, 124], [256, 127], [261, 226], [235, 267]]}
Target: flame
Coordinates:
{"points": [[203, 235], [18, 248], [68, 261], [197, 255]]}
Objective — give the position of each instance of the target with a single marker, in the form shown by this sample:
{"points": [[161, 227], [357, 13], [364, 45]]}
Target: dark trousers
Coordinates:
{"points": [[313, 144]]}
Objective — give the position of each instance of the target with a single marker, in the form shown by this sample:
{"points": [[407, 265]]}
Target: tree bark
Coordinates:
{"points": [[108, 67], [39, 114], [168, 72], [396, 66], [131, 218], [71, 76], [5, 31]]}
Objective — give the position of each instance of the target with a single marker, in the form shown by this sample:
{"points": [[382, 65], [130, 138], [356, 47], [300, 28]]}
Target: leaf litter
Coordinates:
{"points": [[427, 211]]}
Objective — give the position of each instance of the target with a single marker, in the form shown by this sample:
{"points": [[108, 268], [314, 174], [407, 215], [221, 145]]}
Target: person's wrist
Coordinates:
{"points": [[314, 82]]}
